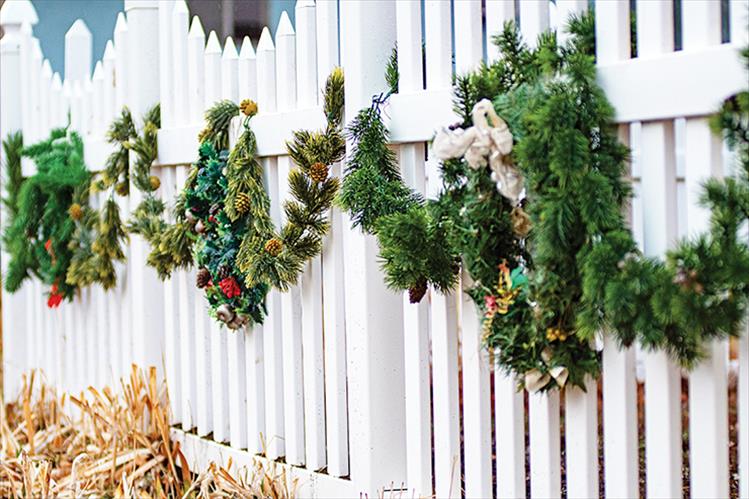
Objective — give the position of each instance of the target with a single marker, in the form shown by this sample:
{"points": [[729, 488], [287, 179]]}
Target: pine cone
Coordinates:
{"points": [[122, 188], [203, 278], [417, 291], [248, 107], [521, 222], [274, 247], [318, 172], [154, 182], [242, 203], [75, 211]]}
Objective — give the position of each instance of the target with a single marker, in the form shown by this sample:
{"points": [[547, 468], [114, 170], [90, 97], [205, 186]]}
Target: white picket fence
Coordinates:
{"points": [[352, 387]]}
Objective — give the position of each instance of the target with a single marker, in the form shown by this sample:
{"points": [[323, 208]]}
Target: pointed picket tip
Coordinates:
{"points": [[213, 46], [121, 24], [109, 51], [196, 28], [46, 69], [56, 82], [78, 29], [247, 51], [230, 49], [284, 26], [18, 12], [266, 41], [303, 4], [180, 7], [98, 71]]}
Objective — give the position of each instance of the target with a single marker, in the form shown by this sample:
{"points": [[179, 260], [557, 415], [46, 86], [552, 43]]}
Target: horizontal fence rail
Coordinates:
{"points": [[355, 389]]}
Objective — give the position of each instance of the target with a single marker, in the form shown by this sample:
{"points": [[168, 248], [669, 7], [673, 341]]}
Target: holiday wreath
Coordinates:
{"points": [[531, 207], [39, 231]]}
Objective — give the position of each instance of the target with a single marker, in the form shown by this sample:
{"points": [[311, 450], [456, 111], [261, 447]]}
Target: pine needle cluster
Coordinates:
{"points": [[37, 238], [278, 258]]}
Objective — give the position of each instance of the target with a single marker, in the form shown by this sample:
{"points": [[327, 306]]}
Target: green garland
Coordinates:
{"points": [[40, 229], [553, 268]]}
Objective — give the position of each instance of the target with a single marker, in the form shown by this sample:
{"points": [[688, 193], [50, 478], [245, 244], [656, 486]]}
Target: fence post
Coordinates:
{"points": [[374, 315], [12, 15], [147, 316]]}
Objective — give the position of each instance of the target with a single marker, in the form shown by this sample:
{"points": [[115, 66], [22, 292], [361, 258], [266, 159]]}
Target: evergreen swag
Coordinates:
{"points": [[39, 230], [550, 271]]}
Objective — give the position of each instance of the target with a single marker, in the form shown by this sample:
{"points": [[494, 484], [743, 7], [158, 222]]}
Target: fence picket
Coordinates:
{"points": [[230, 71], [237, 389], [186, 340], [708, 392], [196, 71], [291, 311], [476, 400], [108, 98], [543, 423], [203, 367], [437, 29], [219, 380], [326, 22], [509, 414], [534, 19], [166, 62], [172, 313], [121, 61], [581, 440], [247, 71], [566, 8], [255, 384], [497, 13], [212, 66], [180, 20], [447, 462], [306, 54], [468, 46]]}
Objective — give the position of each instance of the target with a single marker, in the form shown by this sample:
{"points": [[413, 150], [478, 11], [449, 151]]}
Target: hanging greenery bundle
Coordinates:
{"points": [[277, 258], [38, 235], [531, 206], [99, 236]]}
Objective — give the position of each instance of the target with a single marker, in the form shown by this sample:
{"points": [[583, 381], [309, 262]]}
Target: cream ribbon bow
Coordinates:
{"points": [[536, 380]]}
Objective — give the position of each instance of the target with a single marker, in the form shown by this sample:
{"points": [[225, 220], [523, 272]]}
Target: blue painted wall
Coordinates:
{"points": [[56, 17]]}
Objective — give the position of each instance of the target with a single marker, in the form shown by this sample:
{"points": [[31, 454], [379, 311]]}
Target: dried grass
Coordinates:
{"points": [[114, 446]]}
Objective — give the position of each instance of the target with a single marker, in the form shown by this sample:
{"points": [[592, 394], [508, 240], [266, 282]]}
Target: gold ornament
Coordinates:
{"points": [[75, 211], [248, 107], [154, 182], [242, 203], [318, 172], [274, 247]]}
